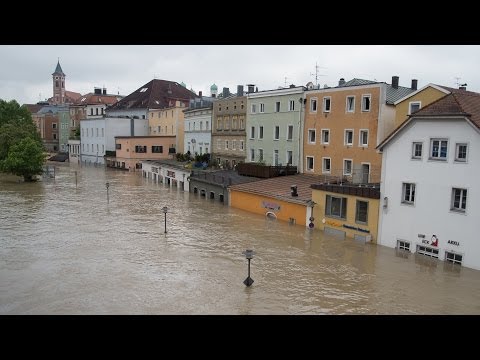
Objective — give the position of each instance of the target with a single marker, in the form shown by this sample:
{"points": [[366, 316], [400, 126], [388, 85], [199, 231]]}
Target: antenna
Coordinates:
{"points": [[316, 73], [286, 81], [457, 82]]}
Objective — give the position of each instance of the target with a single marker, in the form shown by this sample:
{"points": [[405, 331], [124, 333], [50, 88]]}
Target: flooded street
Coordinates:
{"points": [[64, 250]]}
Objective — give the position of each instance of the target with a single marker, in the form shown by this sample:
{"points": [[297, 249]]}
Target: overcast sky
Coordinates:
{"points": [[25, 71]]}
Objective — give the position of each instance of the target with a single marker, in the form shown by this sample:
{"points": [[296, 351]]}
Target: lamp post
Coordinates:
{"points": [[107, 185], [165, 210], [249, 255]]}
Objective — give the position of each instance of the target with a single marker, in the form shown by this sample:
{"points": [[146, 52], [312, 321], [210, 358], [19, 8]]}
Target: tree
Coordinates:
{"points": [[26, 158]]}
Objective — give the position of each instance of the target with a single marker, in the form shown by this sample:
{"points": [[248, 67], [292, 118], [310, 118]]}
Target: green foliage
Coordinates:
{"points": [[26, 158]]}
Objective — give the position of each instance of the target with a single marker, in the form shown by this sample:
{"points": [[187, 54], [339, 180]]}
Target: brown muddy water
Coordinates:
{"points": [[64, 250]]}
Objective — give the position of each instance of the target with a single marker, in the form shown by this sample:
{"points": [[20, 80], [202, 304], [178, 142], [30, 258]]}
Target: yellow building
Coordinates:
{"points": [[275, 197], [417, 100], [347, 210], [169, 121]]}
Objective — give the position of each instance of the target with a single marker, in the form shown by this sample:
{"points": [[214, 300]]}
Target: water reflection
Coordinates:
{"points": [[65, 250]]}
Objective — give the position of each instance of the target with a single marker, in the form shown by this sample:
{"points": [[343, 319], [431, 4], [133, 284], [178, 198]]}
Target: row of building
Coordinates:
{"points": [[376, 162]]}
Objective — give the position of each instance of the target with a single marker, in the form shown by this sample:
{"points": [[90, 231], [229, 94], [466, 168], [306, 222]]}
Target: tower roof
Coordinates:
{"points": [[213, 87], [58, 69]]}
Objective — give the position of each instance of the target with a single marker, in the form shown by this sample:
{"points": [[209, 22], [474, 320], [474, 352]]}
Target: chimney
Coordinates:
{"points": [[292, 86], [104, 91], [463, 87], [200, 93], [239, 90], [226, 92], [97, 91], [395, 82], [414, 84], [293, 189], [214, 95], [250, 88], [341, 82], [256, 89]]}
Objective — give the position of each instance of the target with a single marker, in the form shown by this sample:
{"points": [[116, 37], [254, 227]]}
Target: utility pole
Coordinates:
{"points": [[317, 74]]}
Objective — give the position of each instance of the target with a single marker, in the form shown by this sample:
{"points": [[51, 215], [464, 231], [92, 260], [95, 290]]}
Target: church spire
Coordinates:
{"points": [[58, 69]]}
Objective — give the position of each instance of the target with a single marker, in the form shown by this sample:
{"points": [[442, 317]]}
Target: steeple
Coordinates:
{"points": [[58, 80], [58, 69]]}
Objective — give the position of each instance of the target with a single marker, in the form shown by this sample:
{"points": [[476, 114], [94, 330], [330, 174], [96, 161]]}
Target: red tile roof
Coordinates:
{"points": [[279, 187], [156, 94], [95, 99], [33, 108]]}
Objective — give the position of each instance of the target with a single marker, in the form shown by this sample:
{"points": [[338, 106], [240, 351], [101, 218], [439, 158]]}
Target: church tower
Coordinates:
{"points": [[58, 78]]}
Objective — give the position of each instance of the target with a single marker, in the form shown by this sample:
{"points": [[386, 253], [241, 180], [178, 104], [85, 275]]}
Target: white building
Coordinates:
{"points": [[169, 173], [98, 135], [198, 127], [430, 189]]}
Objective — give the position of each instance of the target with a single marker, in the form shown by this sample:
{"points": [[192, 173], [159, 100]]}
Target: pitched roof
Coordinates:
{"points": [[155, 94], [438, 87], [458, 103], [72, 95], [33, 108], [279, 187], [95, 99], [58, 69], [358, 82], [398, 93]]}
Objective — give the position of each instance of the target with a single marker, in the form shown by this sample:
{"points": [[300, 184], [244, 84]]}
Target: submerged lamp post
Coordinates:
{"points": [[107, 185], [165, 210], [249, 255]]}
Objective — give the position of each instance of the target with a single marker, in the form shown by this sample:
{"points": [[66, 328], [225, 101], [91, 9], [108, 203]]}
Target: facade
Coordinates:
{"points": [[198, 127], [168, 172], [74, 151], [48, 120], [61, 96], [275, 126], [95, 104], [168, 122], [228, 128], [64, 129], [276, 198], [429, 190], [347, 210], [343, 126], [132, 150]]}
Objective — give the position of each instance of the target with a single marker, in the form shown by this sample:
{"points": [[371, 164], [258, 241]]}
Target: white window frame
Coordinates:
{"points": [[262, 108], [314, 132], [226, 144], [364, 96], [286, 158], [457, 159], [313, 163], [260, 155], [252, 132], [414, 103], [428, 251], [291, 105], [219, 144], [322, 138], [416, 157], [403, 245], [345, 137], [252, 154], [275, 137], [253, 109], [404, 191], [459, 210], [313, 100], [260, 132], [324, 104], [288, 132], [276, 157], [324, 170], [347, 109], [277, 106], [360, 138], [455, 254], [345, 168], [234, 145], [430, 153]]}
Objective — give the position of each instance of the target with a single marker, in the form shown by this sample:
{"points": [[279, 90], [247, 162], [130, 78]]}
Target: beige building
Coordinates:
{"points": [[169, 122]]}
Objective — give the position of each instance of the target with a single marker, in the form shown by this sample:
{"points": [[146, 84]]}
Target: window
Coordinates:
{"points": [[201, 125], [226, 123], [408, 193], [310, 163], [277, 106], [459, 199], [325, 136], [254, 108], [97, 147], [157, 149], [311, 136], [291, 105], [234, 145], [347, 167], [276, 135], [350, 103], [91, 111], [242, 145], [219, 123], [417, 150], [327, 103], [262, 107], [260, 132], [83, 147], [226, 144], [366, 102], [219, 143], [96, 131], [348, 137], [252, 154], [361, 215], [289, 157], [82, 133], [326, 165], [234, 123], [313, 105], [56, 84], [96, 111], [260, 154], [414, 106], [438, 149], [427, 251], [54, 125], [363, 138], [140, 149], [103, 133], [206, 125], [252, 132], [336, 207], [403, 245], [461, 152], [118, 146], [453, 257], [54, 136], [290, 132]]}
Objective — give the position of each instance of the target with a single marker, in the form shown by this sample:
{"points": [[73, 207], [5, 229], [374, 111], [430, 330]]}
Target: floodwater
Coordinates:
{"points": [[65, 250]]}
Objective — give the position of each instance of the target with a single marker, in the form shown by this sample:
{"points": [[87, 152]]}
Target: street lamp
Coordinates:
{"points": [[165, 210], [249, 255], [107, 186]]}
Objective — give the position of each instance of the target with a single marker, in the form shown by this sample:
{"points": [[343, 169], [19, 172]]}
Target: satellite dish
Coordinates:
{"points": [[309, 85]]}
